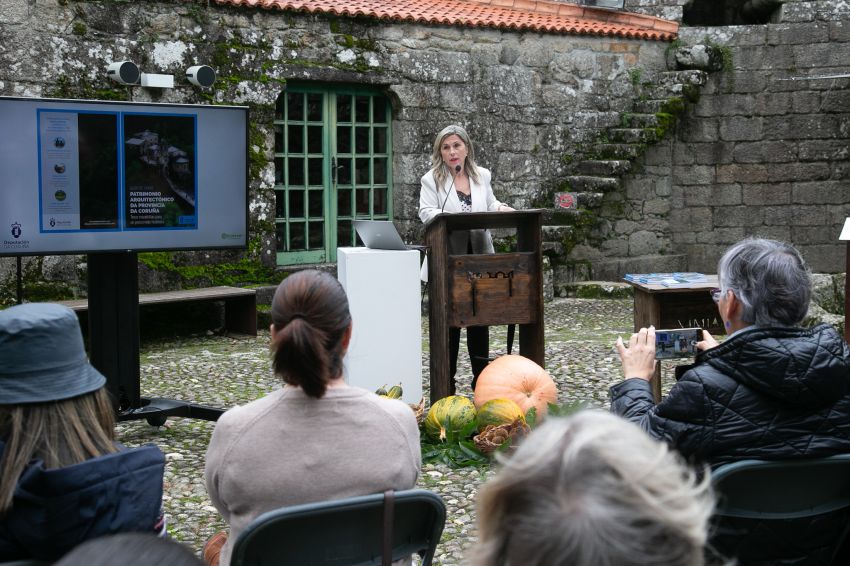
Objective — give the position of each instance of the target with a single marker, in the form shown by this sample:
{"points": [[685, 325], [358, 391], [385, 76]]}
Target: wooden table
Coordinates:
{"points": [[676, 307]]}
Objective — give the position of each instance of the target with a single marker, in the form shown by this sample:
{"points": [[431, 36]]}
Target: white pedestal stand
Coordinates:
{"points": [[384, 297]]}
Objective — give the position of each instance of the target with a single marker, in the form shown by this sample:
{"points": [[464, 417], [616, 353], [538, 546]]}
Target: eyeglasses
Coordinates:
{"points": [[716, 294]]}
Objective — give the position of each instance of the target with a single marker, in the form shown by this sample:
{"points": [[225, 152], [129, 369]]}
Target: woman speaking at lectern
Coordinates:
{"points": [[456, 184]]}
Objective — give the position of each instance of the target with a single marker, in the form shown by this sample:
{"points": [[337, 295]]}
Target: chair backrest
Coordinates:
{"points": [[345, 532], [780, 510]]}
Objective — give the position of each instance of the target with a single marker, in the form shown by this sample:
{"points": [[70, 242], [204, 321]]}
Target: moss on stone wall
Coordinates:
{"points": [[244, 272], [35, 288], [81, 88]]}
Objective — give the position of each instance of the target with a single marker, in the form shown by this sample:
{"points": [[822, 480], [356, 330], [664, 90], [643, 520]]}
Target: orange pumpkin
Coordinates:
{"points": [[519, 379]]}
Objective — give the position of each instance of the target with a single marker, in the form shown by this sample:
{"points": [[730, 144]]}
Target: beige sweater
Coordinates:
{"points": [[288, 449]]}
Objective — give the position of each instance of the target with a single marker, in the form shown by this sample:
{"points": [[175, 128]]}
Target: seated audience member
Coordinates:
{"points": [[131, 549], [771, 390], [316, 438], [63, 479], [592, 490]]}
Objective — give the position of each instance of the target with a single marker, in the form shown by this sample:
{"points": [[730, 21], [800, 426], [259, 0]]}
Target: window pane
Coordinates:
{"points": [[296, 236], [295, 136], [343, 108], [296, 204], [315, 173], [278, 170], [295, 105], [317, 235], [343, 139], [296, 171], [280, 236], [380, 170], [343, 202], [361, 136], [314, 107], [362, 168], [314, 139], [363, 202], [280, 108], [379, 110], [344, 171], [362, 109], [380, 205], [380, 140], [343, 233], [278, 139], [280, 204], [315, 205]]}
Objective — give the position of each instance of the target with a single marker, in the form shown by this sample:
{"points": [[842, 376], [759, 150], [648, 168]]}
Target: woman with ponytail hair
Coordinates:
{"points": [[315, 439]]}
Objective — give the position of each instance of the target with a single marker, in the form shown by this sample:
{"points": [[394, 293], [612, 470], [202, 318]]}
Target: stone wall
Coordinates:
{"points": [[760, 155], [754, 154], [525, 97]]}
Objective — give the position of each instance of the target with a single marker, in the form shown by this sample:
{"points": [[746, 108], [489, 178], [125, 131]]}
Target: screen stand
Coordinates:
{"points": [[114, 340]]}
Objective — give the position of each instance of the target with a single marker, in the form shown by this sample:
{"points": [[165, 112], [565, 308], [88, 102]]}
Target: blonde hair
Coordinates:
{"points": [[441, 171], [60, 433], [593, 490]]}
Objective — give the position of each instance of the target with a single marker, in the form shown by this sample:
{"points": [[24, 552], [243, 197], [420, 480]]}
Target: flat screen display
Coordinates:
{"points": [[86, 176]]}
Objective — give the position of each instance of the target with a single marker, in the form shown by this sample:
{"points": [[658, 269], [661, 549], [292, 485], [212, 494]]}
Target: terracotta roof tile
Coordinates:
{"points": [[546, 16]]}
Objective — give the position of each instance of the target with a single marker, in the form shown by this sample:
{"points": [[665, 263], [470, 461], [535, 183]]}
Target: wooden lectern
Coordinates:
{"points": [[483, 289]]}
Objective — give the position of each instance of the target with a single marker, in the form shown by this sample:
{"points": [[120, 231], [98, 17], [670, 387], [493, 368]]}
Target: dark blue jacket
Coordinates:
{"points": [[56, 509]]}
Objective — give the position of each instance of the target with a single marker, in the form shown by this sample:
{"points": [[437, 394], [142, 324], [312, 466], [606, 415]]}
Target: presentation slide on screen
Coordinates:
{"points": [[81, 177]]}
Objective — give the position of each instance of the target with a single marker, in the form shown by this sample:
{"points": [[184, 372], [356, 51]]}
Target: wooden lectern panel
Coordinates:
{"points": [[486, 290], [507, 287]]}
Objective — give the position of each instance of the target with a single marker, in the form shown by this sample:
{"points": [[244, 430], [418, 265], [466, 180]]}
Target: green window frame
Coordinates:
{"points": [[333, 164]]}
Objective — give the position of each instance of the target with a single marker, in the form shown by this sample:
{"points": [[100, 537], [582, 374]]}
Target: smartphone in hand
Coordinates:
{"points": [[676, 343]]}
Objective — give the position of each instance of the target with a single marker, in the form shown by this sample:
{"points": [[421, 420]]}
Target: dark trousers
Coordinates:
{"points": [[478, 345]]}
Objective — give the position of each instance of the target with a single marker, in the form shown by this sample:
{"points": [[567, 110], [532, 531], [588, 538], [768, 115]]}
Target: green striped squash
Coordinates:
{"points": [[498, 412], [449, 413]]}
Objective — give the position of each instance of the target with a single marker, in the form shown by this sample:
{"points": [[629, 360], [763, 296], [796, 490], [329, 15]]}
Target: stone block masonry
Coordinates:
{"points": [[786, 140], [754, 155]]}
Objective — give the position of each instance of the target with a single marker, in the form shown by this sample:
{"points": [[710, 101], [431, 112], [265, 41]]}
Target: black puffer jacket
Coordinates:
{"points": [[768, 393]]}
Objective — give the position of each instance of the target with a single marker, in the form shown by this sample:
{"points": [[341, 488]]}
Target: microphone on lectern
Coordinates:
{"points": [[457, 170]]}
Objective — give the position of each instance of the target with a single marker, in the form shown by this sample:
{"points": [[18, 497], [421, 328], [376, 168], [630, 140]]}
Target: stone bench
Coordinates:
{"points": [[240, 305]]}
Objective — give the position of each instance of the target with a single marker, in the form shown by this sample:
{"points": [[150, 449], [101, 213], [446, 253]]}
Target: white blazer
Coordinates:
{"points": [[431, 201]]}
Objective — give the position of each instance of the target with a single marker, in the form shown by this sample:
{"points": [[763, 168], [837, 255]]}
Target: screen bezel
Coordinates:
{"points": [[125, 106]]}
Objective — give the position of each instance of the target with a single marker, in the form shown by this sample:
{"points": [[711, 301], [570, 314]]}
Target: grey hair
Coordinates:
{"points": [[769, 278], [593, 490], [441, 171]]}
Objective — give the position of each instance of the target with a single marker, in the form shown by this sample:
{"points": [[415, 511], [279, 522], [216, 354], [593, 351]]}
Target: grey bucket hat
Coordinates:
{"points": [[42, 357]]}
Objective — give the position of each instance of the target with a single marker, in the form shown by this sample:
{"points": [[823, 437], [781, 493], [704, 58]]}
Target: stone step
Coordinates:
{"points": [[650, 106], [551, 233], [693, 77], [604, 168], [614, 268], [562, 216], [637, 120], [632, 135], [618, 150], [592, 183]]}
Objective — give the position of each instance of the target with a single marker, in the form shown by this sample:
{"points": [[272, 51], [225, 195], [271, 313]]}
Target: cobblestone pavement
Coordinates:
{"points": [[222, 372]]}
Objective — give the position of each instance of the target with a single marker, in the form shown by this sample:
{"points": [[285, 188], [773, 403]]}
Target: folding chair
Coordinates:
{"points": [[358, 531], [773, 512]]}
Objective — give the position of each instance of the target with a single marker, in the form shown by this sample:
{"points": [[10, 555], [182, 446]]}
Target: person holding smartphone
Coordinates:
{"points": [[771, 391]]}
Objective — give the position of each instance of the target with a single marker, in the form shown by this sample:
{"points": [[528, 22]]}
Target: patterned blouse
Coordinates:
{"points": [[465, 201]]}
